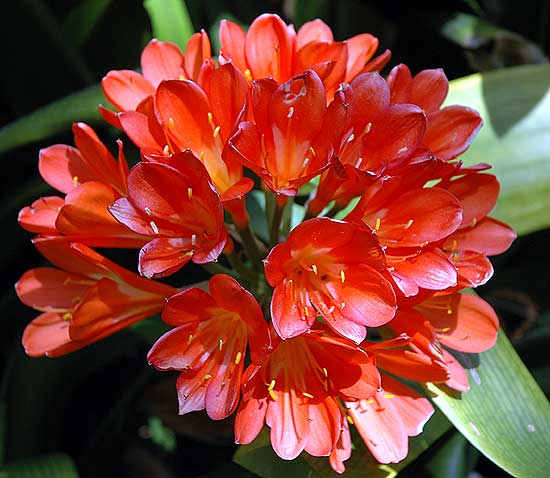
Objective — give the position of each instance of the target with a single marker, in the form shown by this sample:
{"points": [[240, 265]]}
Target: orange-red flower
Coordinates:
{"points": [[330, 269], [127, 89], [458, 321], [176, 205], [296, 391], [92, 180], [451, 129], [208, 344], [371, 137], [287, 144], [272, 49], [86, 298]]}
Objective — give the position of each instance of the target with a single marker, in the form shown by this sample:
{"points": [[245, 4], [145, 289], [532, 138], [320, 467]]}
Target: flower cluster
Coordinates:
{"points": [[306, 328]]}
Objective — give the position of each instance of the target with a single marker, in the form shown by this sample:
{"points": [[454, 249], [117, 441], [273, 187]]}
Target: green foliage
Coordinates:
{"points": [[170, 20]]}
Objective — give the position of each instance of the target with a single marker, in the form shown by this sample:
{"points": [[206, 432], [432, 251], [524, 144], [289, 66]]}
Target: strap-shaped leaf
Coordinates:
{"points": [[505, 414], [170, 21], [515, 138]]}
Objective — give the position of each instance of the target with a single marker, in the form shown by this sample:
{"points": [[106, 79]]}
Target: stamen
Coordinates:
{"points": [[409, 224], [75, 181], [404, 149], [325, 372], [342, 276], [358, 162], [154, 227], [388, 395], [211, 120], [370, 401], [377, 225], [342, 304], [449, 310], [201, 155], [368, 127], [216, 131], [312, 151], [248, 74], [351, 138], [181, 77], [189, 339], [238, 358], [166, 150], [454, 245], [171, 123], [273, 395], [193, 240], [306, 162], [306, 311], [308, 395], [314, 268], [290, 112], [67, 316], [206, 377], [76, 298], [189, 193], [147, 211], [221, 344], [271, 386], [349, 419]]}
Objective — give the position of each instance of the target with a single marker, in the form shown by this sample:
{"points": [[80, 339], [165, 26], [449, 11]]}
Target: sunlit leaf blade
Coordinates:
{"points": [[53, 118], [515, 139], [260, 458], [55, 465], [505, 414], [170, 20]]}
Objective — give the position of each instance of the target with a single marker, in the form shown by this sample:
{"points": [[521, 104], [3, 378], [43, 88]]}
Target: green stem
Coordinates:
{"points": [[239, 267], [215, 268], [275, 225], [251, 247]]}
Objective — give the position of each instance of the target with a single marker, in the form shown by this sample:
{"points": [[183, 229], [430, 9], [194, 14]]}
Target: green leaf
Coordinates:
{"points": [[53, 118], [260, 458], [515, 106], [161, 435], [170, 21], [82, 19], [505, 415], [54, 465]]}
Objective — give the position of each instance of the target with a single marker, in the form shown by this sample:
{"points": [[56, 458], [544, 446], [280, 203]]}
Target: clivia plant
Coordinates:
{"points": [[335, 318]]}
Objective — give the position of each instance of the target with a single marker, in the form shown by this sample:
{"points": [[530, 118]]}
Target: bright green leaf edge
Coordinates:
{"points": [[170, 21], [515, 138], [505, 415]]}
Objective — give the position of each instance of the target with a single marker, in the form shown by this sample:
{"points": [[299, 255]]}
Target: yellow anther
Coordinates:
{"points": [[370, 401], [388, 395], [368, 127], [248, 74], [75, 181], [444, 330], [404, 149], [357, 164], [76, 298], [342, 304], [238, 358], [171, 123], [272, 394], [308, 395], [351, 137], [449, 311], [377, 225], [306, 311], [67, 316], [181, 77], [454, 245], [221, 344], [189, 193], [325, 385], [271, 385], [166, 150], [154, 227], [312, 151], [314, 268], [290, 112], [189, 339], [206, 376], [409, 224], [454, 257], [349, 419], [342, 276], [67, 281], [325, 372], [201, 155], [211, 120], [216, 131]]}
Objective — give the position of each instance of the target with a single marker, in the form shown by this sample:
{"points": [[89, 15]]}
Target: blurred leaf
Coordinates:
{"points": [[260, 458], [53, 118], [170, 21], [81, 20], [301, 11], [255, 204], [54, 465], [505, 415], [515, 106], [161, 435]]}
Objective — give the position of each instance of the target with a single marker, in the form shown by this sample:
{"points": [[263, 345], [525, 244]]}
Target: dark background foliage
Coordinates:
{"points": [[103, 407]]}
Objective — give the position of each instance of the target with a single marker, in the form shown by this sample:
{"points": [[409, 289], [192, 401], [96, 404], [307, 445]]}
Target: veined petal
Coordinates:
{"points": [[41, 215], [164, 256], [48, 335], [161, 61], [451, 131], [60, 164], [197, 51], [429, 89], [126, 89], [361, 48], [232, 41], [324, 427], [313, 31]]}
